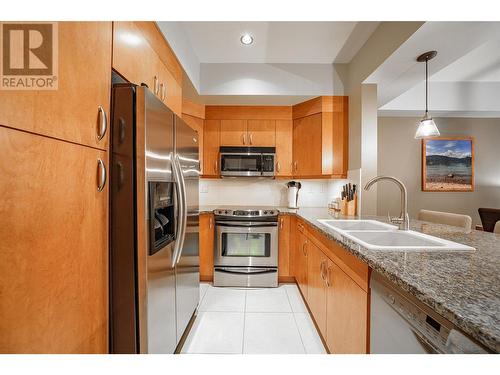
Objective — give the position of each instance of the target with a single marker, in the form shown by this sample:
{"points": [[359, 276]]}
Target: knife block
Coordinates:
{"points": [[349, 208]]}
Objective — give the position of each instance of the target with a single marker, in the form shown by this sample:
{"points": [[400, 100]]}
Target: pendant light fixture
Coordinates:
{"points": [[427, 126]]}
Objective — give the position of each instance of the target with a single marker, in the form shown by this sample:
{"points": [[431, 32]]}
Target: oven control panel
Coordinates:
{"points": [[246, 213]]}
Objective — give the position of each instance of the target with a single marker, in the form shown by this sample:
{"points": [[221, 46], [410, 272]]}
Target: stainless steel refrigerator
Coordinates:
{"points": [[154, 223]]}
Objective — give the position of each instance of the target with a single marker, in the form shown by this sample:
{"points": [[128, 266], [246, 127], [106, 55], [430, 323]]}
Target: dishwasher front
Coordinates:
{"points": [[399, 324]]}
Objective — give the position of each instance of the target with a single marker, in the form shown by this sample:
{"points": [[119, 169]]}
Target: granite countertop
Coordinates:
{"points": [[463, 287]]}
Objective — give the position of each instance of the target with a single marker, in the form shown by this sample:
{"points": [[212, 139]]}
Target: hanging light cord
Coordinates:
{"points": [[426, 86]]}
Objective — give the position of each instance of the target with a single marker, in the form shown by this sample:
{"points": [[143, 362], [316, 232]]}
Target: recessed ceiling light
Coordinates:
{"points": [[246, 39]]}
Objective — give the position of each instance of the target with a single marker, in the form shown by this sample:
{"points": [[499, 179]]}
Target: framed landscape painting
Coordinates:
{"points": [[448, 164]]}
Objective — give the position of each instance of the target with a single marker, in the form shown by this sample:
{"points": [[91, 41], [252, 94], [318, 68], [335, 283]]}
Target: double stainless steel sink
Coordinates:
{"points": [[375, 235]]}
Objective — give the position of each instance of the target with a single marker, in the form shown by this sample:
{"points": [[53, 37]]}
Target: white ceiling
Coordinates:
{"points": [[288, 59], [464, 75], [480, 65], [274, 42]]}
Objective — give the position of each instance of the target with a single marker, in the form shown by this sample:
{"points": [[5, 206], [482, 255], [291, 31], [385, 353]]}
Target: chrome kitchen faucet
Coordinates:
{"points": [[403, 221]]}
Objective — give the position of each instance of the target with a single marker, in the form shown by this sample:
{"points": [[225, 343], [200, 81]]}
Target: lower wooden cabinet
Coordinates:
{"points": [[207, 247], [54, 246], [284, 242], [300, 259], [347, 309], [335, 286], [317, 264]]}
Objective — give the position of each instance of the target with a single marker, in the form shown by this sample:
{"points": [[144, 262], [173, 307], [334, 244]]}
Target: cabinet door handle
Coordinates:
{"points": [[322, 270], [281, 223], [101, 175], [160, 91], [244, 138], [304, 250], [278, 167], [328, 276], [211, 222], [215, 166], [251, 138], [163, 91], [155, 85], [103, 123], [295, 166]]}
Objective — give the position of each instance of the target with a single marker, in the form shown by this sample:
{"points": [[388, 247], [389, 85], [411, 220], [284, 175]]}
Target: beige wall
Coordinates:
{"points": [[399, 155], [386, 39]]}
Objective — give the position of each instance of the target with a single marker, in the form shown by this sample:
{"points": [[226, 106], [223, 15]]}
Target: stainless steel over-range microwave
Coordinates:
{"points": [[247, 161]]}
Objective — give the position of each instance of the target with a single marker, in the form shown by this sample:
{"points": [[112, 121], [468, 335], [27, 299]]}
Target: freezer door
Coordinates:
{"points": [[159, 301], [188, 265]]}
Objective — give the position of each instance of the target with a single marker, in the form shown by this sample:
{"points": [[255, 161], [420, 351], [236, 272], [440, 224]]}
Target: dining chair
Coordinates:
{"points": [[448, 218], [497, 227], [489, 217]]}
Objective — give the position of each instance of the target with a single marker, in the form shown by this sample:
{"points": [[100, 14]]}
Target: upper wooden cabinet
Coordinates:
{"points": [[250, 133], [284, 144], [307, 150], [54, 251], [320, 142], [233, 133], [310, 137], [72, 111], [211, 145], [142, 55], [262, 133]]}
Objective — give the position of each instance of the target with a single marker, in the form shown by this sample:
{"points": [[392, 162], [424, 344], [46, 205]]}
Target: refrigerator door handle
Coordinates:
{"points": [[180, 212], [185, 210]]}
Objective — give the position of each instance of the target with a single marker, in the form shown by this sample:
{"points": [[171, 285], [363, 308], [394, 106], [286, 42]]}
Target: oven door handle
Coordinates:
{"points": [[236, 224], [245, 270]]}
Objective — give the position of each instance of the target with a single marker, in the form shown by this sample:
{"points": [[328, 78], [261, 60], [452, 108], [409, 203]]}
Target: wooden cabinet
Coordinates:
{"points": [[250, 133], [141, 55], [284, 247], [54, 249], [317, 264], [320, 137], [234, 133], [262, 133], [284, 144], [311, 138], [211, 145], [206, 247], [300, 259], [334, 284], [196, 123], [71, 112], [347, 313], [307, 155]]}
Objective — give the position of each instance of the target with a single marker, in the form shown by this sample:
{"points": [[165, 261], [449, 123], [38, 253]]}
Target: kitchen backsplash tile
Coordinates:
{"points": [[263, 192]]}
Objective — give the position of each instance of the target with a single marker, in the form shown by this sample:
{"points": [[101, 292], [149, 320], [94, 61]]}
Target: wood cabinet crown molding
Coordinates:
{"points": [[243, 112], [193, 109], [157, 41]]}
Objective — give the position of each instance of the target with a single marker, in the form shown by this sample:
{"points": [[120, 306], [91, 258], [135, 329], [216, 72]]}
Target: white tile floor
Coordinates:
{"points": [[252, 321]]}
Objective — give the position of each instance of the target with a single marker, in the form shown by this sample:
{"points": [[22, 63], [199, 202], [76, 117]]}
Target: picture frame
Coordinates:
{"points": [[448, 164]]}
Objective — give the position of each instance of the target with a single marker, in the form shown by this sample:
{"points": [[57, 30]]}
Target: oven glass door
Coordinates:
{"points": [[246, 246], [241, 164]]}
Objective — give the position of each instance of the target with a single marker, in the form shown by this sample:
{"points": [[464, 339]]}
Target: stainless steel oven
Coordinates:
{"points": [[246, 248], [247, 161]]}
